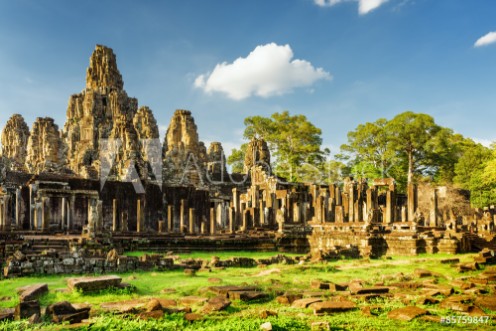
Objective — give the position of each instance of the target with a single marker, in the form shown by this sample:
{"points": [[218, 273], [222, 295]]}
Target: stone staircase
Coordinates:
{"points": [[49, 243]]}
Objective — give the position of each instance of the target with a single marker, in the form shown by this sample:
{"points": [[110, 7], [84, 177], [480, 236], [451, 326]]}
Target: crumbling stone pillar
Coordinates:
{"points": [[267, 215], [280, 220], [346, 207], [403, 213], [139, 216], [170, 218], [124, 221], [389, 207], [203, 229], [115, 220], [339, 217], [212, 220], [433, 211], [371, 204], [255, 213], [261, 212], [296, 212], [18, 209], [38, 216], [182, 211], [191, 228], [351, 202], [317, 205], [161, 226], [232, 217], [99, 220], [63, 221], [32, 207], [45, 213], [412, 201], [246, 220], [72, 212], [236, 206], [93, 216], [338, 196], [2, 214]]}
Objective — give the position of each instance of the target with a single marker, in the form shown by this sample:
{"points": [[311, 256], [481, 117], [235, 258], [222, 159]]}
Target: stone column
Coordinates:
{"points": [[139, 216], [170, 218], [254, 218], [412, 201], [246, 219], [339, 198], [32, 207], [280, 220], [124, 221], [72, 212], [261, 213], [433, 211], [318, 209], [45, 213], [390, 208], [191, 229], [232, 217], [2, 215], [161, 226], [212, 220], [296, 212], [63, 222], [255, 195], [351, 203], [182, 210], [18, 209], [38, 215], [115, 220], [236, 206], [203, 229], [403, 214], [99, 219]]}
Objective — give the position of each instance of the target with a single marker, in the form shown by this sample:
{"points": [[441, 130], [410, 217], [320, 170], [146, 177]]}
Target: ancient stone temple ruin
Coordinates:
{"points": [[106, 180]]}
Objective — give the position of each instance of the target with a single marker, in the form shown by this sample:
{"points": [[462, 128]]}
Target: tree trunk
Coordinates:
{"points": [[410, 167]]}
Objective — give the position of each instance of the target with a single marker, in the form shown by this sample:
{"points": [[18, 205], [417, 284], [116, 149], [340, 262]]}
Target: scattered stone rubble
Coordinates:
{"points": [[417, 296]]}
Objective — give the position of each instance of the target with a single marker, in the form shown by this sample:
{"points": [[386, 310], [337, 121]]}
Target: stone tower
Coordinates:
{"points": [[185, 156], [257, 153], [216, 166], [100, 130], [46, 151], [14, 140]]}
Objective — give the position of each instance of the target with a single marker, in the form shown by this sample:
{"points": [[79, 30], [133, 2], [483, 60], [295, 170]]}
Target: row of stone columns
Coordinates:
{"points": [[330, 204]]}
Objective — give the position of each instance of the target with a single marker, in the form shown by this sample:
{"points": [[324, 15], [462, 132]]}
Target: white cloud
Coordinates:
{"points": [[267, 71], [485, 40], [364, 6]]}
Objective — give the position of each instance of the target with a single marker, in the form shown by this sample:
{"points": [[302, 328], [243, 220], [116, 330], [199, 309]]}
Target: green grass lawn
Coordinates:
{"points": [[245, 316], [222, 255]]}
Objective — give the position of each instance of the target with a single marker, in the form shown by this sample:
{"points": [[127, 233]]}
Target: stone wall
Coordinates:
{"points": [[74, 263]]}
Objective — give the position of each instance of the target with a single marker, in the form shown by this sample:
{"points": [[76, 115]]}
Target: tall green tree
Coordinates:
{"points": [[367, 150], [409, 144], [470, 173], [237, 159], [410, 135]]}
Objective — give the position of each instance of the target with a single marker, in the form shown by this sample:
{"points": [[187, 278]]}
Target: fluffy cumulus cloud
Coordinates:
{"points": [[364, 6], [487, 39], [267, 71]]}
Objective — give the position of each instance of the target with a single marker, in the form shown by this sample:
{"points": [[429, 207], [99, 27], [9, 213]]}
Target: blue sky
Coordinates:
{"points": [[339, 62]]}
